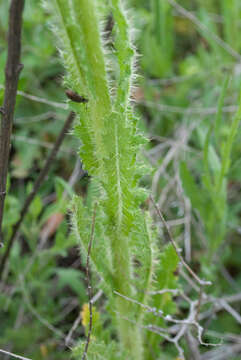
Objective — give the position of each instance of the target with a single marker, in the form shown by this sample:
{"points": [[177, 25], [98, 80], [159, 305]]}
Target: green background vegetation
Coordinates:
{"points": [[184, 96]]}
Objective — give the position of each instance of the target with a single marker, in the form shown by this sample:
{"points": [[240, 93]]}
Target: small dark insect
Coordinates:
{"points": [[75, 97]]}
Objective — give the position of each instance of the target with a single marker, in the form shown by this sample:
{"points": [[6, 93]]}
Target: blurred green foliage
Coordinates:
{"points": [[183, 75]]}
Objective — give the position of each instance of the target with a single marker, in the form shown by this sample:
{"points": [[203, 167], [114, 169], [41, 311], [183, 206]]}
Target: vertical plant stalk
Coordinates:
{"points": [[12, 71], [101, 110], [100, 102], [107, 130], [38, 183], [120, 239]]}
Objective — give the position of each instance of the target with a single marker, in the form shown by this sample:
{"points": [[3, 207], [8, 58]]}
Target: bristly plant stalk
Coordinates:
{"points": [[110, 142]]}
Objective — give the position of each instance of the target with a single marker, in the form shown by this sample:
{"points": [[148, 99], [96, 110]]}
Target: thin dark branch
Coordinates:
{"points": [[36, 187], [89, 284], [194, 275], [76, 323], [12, 71]]}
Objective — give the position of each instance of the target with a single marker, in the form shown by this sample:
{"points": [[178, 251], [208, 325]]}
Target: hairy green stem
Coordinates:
{"points": [[107, 130]]}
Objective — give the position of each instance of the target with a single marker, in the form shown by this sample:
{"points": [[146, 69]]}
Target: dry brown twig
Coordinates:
{"points": [[38, 183], [203, 28], [193, 274], [89, 283], [184, 324], [13, 355], [43, 144], [45, 234], [31, 97], [78, 319], [12, 71], [186, 111]]}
